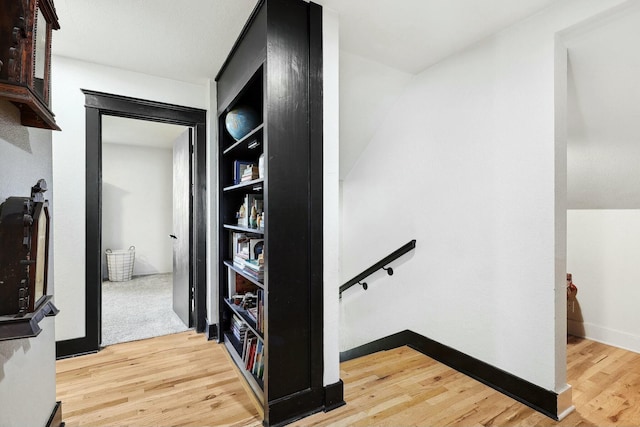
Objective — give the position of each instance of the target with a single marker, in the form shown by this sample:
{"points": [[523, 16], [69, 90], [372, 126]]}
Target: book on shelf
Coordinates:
{"points": [[256, 358], [247, 349], [238, 262], [253, 313], [238, 329], [254, 265], [253, 356], [250, 173], [239, 167], [245, 343], [256, 247], [260, 311], [253, 268], [259, 276], [240, 244]]}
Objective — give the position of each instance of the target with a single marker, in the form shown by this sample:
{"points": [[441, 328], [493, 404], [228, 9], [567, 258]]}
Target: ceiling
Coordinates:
{"points": [[382, 42], [184, 40], [188, 40], [120, 130]]}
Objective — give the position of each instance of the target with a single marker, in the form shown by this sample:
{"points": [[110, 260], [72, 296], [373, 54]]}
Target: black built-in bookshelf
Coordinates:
{"points": [[275, 68]]}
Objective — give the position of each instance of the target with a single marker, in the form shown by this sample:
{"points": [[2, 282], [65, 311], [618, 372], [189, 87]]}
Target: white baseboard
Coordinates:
{"points": [[565, 405], [604, 335]]}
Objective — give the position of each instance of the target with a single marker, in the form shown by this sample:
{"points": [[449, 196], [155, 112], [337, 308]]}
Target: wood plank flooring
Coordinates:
{"points": [[184, 380], [180, 379]]}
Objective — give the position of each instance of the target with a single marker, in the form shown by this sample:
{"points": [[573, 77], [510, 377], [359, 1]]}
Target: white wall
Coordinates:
{"points": [[465, 162], [137, 208], [603, 221], [331, 197], [367, 90], [603, 248], [68, 77], [27, 366], [212, 202]]}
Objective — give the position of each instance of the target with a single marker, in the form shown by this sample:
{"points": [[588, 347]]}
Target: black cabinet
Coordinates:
{"points": [[270, 207]]}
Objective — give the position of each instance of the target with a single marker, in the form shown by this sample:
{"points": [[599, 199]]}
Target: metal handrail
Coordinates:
{"points": [[358, 280]]}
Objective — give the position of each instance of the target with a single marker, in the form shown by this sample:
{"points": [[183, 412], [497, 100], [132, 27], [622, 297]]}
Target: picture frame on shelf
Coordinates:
{"points": [[256, 247]]}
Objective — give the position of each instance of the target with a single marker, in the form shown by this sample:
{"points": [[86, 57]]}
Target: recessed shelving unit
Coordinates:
{"points": [[278, 344]]}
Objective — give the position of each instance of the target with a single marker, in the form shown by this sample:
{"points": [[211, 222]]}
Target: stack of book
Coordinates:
{"points": [[256, 312], [239, 329], [250, 173], [253, 267], [250, 267], [252, 355]]}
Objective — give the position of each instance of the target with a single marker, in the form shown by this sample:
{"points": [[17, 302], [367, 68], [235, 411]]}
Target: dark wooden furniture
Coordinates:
{"points": [[25, 58], [275, 68], [27, 326], [24, 251], [24, 261]]}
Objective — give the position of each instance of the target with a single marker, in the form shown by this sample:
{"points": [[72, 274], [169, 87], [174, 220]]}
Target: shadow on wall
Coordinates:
{"points": [[8, 349], [145, 267], [11, 130], [112, 224]]}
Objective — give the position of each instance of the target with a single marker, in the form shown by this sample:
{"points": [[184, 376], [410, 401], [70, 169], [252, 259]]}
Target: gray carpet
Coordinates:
{"points": [[139, 308]]}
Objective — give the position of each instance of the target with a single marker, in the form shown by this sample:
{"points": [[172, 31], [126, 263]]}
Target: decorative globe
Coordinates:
{"points": [[240, 121]]}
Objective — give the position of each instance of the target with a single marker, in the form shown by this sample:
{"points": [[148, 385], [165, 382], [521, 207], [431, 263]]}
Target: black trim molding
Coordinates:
{"points": [[211, 331], [334, 396], [76, 347], [301, 404], [535, 397], [98, 104]]}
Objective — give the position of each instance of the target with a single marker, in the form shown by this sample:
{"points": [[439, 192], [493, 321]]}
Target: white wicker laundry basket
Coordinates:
{"points": [[120, 264]]}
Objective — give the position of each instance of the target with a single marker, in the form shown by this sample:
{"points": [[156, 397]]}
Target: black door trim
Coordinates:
{"points": [[98, 104]]}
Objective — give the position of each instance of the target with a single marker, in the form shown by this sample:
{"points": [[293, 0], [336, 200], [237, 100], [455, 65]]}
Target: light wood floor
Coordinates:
{"points": [[180, 379], [184, 380]]}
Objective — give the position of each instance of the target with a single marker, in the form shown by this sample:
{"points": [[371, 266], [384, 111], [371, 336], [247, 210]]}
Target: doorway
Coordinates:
{"points": [[146, 291], [99, 106]]}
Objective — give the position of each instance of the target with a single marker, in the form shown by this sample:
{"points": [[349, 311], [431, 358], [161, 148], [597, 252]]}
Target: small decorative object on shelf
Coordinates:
{"points": [[24, 251], [261, 166], [251, 205], [240, 121], [25, 58]]}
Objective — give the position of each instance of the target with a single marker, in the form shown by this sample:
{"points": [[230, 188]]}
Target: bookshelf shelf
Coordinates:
{"points": [[249, 144], [240, 271], [253, 185], [287, 150], [244, 229], [245, 317]]}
